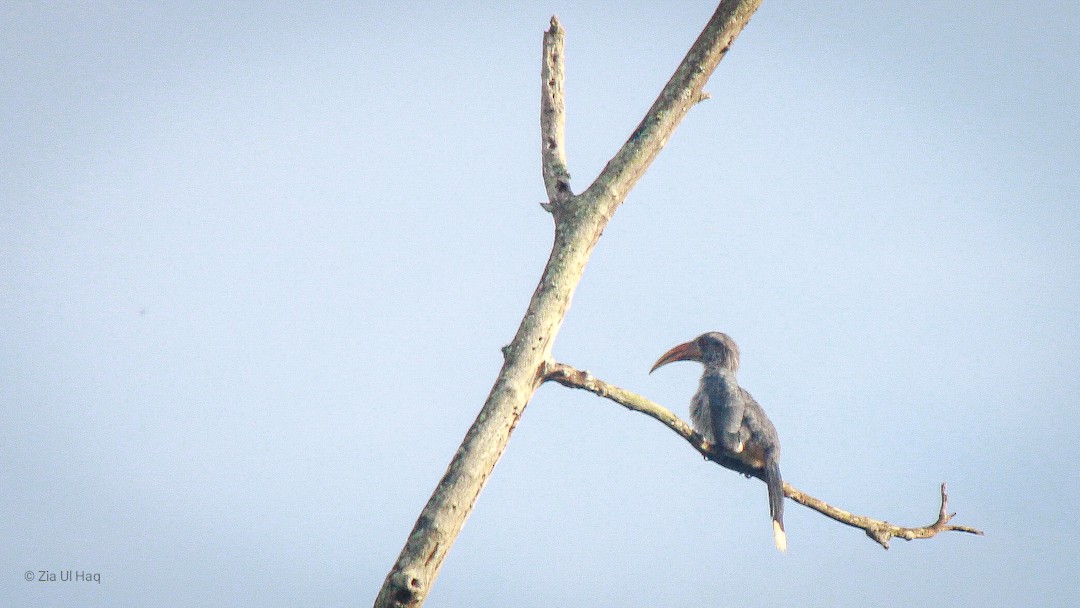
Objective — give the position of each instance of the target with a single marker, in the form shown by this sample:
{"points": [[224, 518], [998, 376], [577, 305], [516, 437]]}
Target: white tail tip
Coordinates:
{"points": [[779, 537]]}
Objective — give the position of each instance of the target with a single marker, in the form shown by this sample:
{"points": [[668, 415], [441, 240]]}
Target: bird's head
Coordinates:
{"points": [[713, 349]]}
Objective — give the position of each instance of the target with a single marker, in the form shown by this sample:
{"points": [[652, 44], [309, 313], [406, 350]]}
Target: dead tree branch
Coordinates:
{"points": [[579, 221], [553, 119], [879, 530]]}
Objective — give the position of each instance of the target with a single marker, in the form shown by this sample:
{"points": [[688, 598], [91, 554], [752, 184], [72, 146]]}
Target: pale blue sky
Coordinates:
{"points": [[256, 264]]}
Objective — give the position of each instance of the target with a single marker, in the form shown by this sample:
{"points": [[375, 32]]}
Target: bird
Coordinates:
{"points": [[730, 419]]}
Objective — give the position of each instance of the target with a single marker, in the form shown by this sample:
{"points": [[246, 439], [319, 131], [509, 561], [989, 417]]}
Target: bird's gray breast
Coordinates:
{"points": [[701, 416]]}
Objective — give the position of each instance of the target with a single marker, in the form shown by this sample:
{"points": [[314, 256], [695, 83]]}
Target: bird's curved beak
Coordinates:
{"points": [[688, 351]]}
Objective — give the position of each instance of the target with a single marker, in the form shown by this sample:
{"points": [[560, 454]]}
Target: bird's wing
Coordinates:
{"points": [[760, 429]]}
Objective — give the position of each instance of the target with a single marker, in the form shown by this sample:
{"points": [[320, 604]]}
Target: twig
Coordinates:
{"points": [[879, 530]]}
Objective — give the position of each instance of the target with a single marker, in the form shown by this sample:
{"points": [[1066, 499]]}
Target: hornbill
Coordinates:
{"points": [[729, 419]]}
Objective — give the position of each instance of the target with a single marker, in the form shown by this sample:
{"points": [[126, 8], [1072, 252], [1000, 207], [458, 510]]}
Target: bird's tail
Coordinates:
{"points": [[776, 503]]}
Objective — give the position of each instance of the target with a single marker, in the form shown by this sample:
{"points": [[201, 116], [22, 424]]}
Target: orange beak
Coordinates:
{"points": [[687, 351]]}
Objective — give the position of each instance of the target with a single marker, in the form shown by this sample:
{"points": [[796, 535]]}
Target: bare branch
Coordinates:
{"points": [[681, 92], [879, 530], [553, 118]]}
